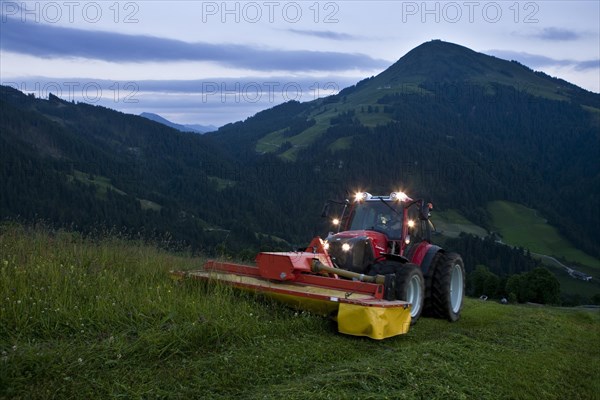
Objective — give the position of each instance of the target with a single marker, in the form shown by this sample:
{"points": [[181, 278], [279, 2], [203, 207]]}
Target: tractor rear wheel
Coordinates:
{"points": [[447, 291], [410, 287]]}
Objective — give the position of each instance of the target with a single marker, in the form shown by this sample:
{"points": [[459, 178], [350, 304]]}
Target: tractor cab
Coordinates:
{"points": [[373, 228], [378, 216]]}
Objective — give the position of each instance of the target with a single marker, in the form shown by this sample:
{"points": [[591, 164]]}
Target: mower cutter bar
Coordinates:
{"points": [[359, 307]]}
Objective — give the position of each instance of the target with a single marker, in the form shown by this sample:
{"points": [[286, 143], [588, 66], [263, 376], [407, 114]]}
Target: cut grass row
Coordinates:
{"points": [[92, 319]]}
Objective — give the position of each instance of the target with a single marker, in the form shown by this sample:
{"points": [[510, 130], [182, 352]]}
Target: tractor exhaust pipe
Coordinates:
{"points": [[318, 266]]}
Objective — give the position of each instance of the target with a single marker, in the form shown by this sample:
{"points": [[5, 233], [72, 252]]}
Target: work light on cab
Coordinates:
{"points": [[399, 196], [362, 196]]}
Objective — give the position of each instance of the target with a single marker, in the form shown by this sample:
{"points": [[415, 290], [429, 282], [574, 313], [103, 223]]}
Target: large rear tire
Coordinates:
{"points": [[410, 287], [447, 291]]}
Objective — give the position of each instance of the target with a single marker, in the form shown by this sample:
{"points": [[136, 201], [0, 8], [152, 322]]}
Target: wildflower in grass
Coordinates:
{"points": [[80, 360]]}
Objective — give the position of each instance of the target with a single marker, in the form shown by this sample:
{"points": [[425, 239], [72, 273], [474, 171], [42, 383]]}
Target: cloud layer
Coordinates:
{"points": [[538, 61], [323, 34], [208, 101], [50, 41], [557, 34]]}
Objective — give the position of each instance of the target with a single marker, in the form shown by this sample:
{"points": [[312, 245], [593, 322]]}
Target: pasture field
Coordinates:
{"points": [[101, 318]]}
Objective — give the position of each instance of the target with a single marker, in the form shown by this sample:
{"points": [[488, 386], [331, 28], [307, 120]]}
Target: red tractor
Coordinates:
{"points": [[375, 276], [391, 236]]}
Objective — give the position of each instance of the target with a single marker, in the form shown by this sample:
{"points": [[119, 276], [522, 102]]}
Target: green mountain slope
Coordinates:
{"points": [[460, 127], [445, 123], [436, 70], [94, 168]]}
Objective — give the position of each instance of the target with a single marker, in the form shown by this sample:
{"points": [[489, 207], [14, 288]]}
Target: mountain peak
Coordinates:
{"points": [[437, 63], [440, 61], [438, 45]]}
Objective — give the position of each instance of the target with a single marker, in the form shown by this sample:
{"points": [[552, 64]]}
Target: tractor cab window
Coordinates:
{"points": [[377, 216]]}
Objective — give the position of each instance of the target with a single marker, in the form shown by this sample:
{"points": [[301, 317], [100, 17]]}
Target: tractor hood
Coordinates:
{"points": [[356, 250]]}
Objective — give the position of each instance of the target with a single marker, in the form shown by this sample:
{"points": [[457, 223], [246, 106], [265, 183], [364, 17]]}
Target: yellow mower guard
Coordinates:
{"points": [[373, 322]]}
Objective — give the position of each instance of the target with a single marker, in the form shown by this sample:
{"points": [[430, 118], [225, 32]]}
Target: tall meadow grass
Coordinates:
{"points": [[98, 318]]}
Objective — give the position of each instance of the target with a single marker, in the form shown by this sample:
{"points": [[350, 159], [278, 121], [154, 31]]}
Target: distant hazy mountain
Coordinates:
{"points": [[202, 128], [197, 128]]}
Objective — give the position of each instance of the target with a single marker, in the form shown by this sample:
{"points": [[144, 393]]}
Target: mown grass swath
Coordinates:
{"points": [[83, 318]]}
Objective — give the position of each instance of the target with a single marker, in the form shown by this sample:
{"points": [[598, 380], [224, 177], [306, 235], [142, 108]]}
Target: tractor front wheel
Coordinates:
{"points": [[447, 291], [410, 287]]}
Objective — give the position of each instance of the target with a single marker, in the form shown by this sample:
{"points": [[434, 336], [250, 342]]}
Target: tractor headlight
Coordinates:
{"points": [[351, 253]]}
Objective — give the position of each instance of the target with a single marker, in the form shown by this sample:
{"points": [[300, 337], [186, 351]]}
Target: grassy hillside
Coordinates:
{"points": [[82, 318], [451, 223], [434, 62], [522, 226]]}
